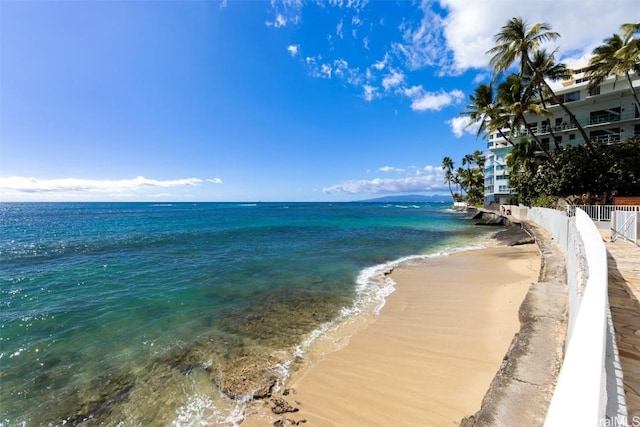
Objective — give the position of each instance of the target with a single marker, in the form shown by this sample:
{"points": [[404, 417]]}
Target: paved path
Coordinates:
{"points": [[624, 296]]}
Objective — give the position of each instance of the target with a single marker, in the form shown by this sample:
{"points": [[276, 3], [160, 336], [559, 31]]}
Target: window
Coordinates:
{"points": [[572, 96], [558, 121], [545, 126], [604, 116], [545, 143], [594, 91], [572, 136]]}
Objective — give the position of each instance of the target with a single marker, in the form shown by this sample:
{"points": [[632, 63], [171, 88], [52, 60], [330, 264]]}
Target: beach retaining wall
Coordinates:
{"points": [[588, 390]]}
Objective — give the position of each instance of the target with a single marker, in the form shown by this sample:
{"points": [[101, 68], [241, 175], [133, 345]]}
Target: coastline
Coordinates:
{"points": [[430, 355]]}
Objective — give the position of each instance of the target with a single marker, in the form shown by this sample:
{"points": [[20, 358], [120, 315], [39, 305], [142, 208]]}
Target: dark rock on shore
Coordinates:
{"points": [[281, 406], [514, 235]]}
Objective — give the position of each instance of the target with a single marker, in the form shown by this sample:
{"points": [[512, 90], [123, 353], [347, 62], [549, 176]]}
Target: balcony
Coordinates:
{"points": [[595, 120], [607, 139]]}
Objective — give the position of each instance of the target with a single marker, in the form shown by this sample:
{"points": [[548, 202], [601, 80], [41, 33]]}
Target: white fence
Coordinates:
{"points": [[603, 212], [580, 397], [625, 224]]}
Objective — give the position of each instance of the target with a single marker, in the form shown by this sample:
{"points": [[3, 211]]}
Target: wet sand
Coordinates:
{"points": [[430, 356]]}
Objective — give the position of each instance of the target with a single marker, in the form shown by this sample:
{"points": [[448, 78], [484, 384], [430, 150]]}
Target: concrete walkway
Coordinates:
{"points": [[624, 296]]}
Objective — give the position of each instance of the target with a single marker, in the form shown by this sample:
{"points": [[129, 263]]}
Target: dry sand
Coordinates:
{"points": [[430, 356]]}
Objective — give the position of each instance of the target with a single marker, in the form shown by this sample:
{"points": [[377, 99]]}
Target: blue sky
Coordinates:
{"points": [[250, 100]]}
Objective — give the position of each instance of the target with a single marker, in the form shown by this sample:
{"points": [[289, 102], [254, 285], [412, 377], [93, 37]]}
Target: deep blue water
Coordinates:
{"points": [[133, 312]]}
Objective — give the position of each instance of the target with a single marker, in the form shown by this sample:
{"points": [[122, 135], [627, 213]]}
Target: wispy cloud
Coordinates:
{"points": [[285, 12], [293, 49], [379, 65], [391, 169], [389, 186], [339, 26], [370, 92], [426, 179], [393, 79], [35, 185], [422, 45], [422, 100]]}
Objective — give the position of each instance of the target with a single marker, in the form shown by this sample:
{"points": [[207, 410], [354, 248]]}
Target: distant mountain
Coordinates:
{"points": [[412, 198]]}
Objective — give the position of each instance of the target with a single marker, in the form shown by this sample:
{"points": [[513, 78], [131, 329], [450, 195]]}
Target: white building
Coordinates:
{"points": [[608, 115]]}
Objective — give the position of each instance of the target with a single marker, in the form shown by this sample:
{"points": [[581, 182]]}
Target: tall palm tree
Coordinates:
{"points": [[516, 97], [483, 110], [449, 177], [478, 158], [549, 70], [617, 56], [522, 158], [517, 42]]}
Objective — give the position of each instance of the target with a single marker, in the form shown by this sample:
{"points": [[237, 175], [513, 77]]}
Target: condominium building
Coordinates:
{"points": [[607, 113]]}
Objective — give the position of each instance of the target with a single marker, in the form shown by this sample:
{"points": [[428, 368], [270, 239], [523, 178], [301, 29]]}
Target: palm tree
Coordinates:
{"points": [[449, 177], [549, 70], [617, 56], [478, 158], [517, 42], [471, 179], [515, 96], [522, 158], [485, 111]]}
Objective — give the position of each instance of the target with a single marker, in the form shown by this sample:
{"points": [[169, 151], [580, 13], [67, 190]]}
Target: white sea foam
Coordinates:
{"points": [[200, 410]]}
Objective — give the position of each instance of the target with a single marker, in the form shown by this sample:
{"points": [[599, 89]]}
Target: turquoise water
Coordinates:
{"points": [[163, 314]]}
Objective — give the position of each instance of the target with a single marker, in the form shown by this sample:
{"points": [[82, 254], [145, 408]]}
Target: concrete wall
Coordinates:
{"points": [[580, 397]]}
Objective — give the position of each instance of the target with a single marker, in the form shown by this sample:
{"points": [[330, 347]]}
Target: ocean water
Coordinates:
{"points": [[139, 314]]}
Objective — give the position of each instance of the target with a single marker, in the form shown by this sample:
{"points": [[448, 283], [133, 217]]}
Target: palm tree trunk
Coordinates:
{"points": [[537, 140], [633, 92], [544, 105], [506, 138], [555, 98]]}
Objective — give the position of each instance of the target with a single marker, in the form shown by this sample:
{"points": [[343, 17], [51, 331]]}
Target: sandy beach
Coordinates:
{"points": [[429, 357]]}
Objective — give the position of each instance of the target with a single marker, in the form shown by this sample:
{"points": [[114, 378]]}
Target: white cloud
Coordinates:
{"points": [[460, 125], [413, 91], [422, 46], [379, 65], [341, 67], [35, 185], [370, 92], [469, 27], [293, 49], [434, 181], [214, 180], [434, 101], [279, 21], [325, 71], [285, 12], [391, 169], [449, 36], [393, 79]]}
